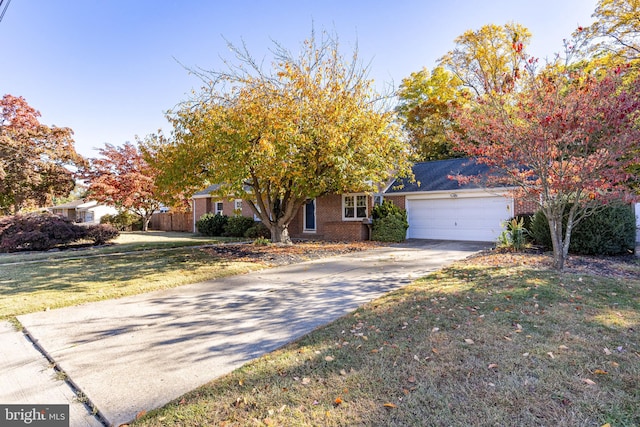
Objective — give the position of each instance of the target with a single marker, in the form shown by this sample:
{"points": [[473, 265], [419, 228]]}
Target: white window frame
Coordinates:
{"points": [[355, 198], [237, 205], [218, 208]]}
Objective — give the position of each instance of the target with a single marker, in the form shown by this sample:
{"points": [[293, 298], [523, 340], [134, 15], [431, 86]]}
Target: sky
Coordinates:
{"points": [[110, 69]]}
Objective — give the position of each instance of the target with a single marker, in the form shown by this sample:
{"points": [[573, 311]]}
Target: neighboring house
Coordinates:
{"points": [[437, 207], [440, 208], [83, 211]]}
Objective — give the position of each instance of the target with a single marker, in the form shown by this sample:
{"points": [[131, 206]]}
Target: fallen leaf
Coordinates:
{"points": [[338, 401], [405, 391], [525, 354], [306, 381], [434, 350], [141, 414], [614, 364], [600, 372], [415, 357], [550, 354], [411, 379], [329, 359], [493, 366], [469, 341], [607, 351], [588, 381], [507, 338], [435, 329], [389, 405], [606, 425], [343, 372], [563, 347]]}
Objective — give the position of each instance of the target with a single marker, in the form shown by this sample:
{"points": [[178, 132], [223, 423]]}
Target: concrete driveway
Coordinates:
{"points": [[138, 353]]}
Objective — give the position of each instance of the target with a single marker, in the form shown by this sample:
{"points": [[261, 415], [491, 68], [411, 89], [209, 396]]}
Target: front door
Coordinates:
{"points": [[310, 216]]}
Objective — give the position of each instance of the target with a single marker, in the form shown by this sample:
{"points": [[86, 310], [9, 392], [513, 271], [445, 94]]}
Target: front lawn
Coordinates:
{"points": [[498, 339]]}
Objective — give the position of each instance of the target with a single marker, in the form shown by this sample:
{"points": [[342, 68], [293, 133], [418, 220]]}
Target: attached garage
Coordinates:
{"points": [[443, 208], [474, 216]]}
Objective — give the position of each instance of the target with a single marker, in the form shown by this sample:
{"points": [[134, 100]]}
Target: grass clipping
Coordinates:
{"points": [[499, 339]]}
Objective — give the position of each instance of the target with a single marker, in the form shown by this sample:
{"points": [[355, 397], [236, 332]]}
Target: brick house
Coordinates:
{"points": [[437, 207], [342, 217]]}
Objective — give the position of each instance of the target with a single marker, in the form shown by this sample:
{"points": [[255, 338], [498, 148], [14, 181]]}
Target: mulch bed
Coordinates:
{"points": [[275, 255], [623, 266]]}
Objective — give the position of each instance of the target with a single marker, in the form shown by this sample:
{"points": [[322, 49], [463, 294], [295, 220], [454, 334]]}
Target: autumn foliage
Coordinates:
{"points": [[34, 158], [563, 141], [311, 126], [122, 178]]}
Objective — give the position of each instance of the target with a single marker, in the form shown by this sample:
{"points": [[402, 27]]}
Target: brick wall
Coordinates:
{"points": [[522, 207], [399, 201]]}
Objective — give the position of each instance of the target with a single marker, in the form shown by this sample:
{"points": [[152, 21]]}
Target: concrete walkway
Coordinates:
{"points": [[138, 353]]}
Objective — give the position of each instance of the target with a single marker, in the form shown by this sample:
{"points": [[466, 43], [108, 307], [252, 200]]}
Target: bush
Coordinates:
{"points": [[258, 230], [261, 241], [385, 209], [102, 233], [392, 228], [211, 224], [389, 223], [237, 226], [37, 232], [608, 231], [123, 221], [515, 234]]}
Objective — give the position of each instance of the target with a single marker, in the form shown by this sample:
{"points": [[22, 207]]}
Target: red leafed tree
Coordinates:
{"points": [[34, 158], [564, 143], [122, 178]]}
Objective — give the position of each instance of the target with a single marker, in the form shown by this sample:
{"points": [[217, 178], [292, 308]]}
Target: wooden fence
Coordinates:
{"points": [[172, 222]]}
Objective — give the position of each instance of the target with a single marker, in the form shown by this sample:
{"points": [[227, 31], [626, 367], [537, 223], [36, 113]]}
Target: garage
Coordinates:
{"points": [[457, 216]]}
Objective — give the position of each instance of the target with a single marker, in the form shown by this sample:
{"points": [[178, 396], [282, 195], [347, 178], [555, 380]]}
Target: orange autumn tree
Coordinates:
{"points": [[35, 159], [309, 126], [122, 178], [562, 142]]}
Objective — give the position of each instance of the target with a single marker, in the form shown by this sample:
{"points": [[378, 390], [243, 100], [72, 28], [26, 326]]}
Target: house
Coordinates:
{"points": [[329, 217], [438, 207], [83, 211]]}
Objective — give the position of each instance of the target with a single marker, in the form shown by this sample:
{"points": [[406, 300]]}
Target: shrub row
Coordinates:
{"points": [[41, 232], [123, 221], [609, 230], [211, 224]]}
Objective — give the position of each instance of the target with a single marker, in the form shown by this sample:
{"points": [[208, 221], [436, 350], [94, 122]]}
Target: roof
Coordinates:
{"points": [[206, 192], [76, 204], [435, 176]]}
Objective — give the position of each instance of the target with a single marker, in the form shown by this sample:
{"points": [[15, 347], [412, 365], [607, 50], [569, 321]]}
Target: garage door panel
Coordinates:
{"points": [[472, 218]]}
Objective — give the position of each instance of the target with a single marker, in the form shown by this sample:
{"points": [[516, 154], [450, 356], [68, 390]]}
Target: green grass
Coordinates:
{"points": [[483, 342], [136, 263]]}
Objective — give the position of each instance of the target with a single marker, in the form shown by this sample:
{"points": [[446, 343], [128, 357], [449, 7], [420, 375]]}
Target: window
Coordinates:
{"points": [[219, 206], [354, 207], [237, 206], [377, 200]]}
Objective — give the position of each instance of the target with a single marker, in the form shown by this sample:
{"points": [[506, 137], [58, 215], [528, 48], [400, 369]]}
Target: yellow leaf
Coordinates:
{"points": [[389, 405], [600, 372]]}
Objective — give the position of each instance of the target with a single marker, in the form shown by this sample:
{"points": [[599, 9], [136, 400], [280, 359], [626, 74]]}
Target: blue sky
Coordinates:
{"points": [[108, 70]]}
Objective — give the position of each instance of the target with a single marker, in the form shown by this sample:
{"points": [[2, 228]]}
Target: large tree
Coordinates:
{"points": [[490, 59], [34, 158], [121, 177], [563, 143], [616, 30], [311, 125], [426, 101]]}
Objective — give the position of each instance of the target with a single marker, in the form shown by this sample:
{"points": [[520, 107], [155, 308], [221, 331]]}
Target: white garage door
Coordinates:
{"points": [[462, 218]]}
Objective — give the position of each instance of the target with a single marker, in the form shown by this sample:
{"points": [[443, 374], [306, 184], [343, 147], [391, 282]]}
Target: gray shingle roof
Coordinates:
{"points": [[434, 176]]}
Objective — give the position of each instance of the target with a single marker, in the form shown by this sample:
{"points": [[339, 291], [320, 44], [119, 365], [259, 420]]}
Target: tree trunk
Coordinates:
{"points": [[280, 233], [559, 255]]}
